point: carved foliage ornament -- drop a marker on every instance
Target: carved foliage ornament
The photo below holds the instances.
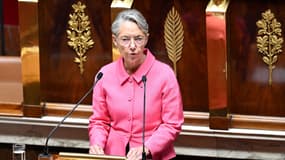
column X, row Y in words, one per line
column 79, row 34
column 173, row 36
column 269, row 40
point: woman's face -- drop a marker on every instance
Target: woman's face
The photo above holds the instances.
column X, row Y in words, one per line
column 131, row 42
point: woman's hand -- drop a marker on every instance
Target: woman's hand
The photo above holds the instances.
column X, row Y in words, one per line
column 136, row 153
column 96, row 149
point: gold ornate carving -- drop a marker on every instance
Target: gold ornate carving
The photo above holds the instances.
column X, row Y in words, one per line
column 173, row 36
column 79, row 34
column 269, row 40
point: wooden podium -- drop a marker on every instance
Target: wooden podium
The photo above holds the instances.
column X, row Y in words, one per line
column 85, row 156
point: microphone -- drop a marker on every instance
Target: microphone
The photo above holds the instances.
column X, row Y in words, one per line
column 143, row 129
column 46, row 155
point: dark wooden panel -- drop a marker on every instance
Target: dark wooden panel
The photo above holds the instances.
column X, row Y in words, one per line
column 250, row 92
column 61, row 80
column 192, row 68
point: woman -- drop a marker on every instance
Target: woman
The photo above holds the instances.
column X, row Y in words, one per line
column 117, row 121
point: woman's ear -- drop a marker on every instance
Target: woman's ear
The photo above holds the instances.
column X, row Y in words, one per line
column 147, row 35
column 114, row 40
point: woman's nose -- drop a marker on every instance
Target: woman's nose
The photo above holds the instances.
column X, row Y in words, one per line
column 132, row 44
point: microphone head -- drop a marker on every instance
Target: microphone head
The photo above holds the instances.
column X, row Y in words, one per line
column 144, row 78
column 99, row 76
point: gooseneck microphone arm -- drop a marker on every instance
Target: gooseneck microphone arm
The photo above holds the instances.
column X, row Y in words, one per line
column 144, row 108
column 46, row 150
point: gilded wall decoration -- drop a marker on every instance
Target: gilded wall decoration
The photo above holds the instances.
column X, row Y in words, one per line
column 79, row 34
column 269, row 40
column 173, row 37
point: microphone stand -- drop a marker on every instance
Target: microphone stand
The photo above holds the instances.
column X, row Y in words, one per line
column 46, row 155
column 143, row 129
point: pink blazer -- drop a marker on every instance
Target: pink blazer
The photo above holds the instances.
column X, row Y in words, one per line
column 118, row 109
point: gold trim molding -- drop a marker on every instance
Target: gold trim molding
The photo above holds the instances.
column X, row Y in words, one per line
column 173, row 37
column 32, row 1
column 269, row 40
column 122, row 3
column 217, row 6
column 79, row 34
